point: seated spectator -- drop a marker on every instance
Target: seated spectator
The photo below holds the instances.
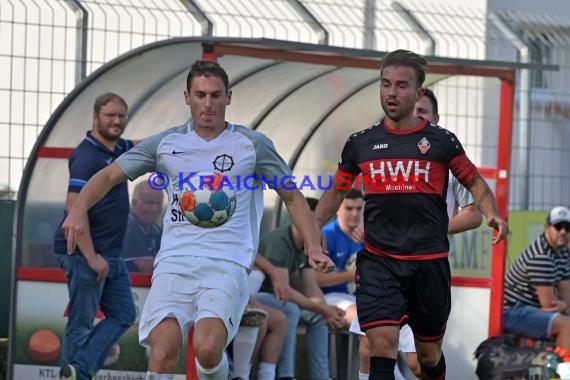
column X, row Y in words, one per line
column 283, row 247
column 142, row 239
column 537, row 286
column 338, row 234
column 261, row 333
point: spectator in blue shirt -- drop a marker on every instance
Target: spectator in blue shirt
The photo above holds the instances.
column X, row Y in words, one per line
column 142, row 239
column 339, row 234
column 97, row 278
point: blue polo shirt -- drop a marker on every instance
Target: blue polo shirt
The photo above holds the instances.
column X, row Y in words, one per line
column 341, row 247
column 108, row 217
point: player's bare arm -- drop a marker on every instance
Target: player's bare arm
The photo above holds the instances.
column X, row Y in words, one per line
column 486, row 200
column 95, row 261
column 96, row 188
column 279, row 277
column 332, row 198
column 468, row 218
column 302, row 217
column 335, row 278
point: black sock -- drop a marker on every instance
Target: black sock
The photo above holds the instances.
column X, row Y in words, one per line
column 434, row 373
column 382, row 368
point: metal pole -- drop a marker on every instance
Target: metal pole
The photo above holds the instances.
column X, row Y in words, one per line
column 416, row 25
column 524, row 112
column 370, row 25
column 81, row 51
column 309, row 18
column 200, row 15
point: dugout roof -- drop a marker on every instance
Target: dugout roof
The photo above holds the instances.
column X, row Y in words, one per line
column 307, row 98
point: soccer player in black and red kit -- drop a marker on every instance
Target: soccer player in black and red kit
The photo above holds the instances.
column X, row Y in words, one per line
column 403, row 273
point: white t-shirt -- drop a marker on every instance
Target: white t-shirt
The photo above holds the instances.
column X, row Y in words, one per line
column 457, row 196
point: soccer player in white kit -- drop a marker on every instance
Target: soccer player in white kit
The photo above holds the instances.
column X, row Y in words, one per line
column 200, row 274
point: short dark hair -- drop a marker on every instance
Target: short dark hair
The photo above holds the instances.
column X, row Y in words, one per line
column 206, row 69
column 312, row 203
column 106, row 98
column 431, row 96
column 407, row 58
column 353, row 194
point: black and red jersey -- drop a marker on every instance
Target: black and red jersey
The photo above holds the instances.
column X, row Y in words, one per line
column 404, row 175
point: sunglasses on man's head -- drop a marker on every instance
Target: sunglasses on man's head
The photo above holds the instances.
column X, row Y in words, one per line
column 561, row 225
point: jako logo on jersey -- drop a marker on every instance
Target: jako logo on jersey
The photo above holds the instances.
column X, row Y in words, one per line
column 424, row 145
column 399, row 171
column 380, row 146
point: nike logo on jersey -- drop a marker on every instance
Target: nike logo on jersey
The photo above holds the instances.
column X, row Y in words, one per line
column 180, row 151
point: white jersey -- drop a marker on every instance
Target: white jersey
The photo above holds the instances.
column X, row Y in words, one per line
column 457, row 196
column 241, row 155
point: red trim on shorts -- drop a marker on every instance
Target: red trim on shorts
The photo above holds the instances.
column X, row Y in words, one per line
column 383, row 322
column 429, row 338
column 424, row 256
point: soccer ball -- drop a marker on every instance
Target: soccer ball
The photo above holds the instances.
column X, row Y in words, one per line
column 209, row 202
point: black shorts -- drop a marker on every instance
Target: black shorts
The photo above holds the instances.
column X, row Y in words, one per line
column 392, row 292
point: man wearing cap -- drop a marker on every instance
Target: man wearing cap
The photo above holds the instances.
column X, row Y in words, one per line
column 537, row 286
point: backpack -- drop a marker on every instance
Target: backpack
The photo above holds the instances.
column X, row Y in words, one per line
column 498, row 358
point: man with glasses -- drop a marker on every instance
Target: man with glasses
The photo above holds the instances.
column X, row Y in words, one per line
column 97, row 277
column 537, row 286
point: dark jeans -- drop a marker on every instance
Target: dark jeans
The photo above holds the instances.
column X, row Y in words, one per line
column 85, row 345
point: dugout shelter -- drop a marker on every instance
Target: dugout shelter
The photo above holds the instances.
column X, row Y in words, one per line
column 307, row 98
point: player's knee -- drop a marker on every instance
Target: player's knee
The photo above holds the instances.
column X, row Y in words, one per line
column 429, row 358
column 208, row 355
column 163, row 357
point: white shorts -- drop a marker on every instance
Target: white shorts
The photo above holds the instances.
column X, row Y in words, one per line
column 191, row 288
column 405, row 343
column 341, row 300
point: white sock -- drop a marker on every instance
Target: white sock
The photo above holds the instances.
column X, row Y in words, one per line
column 244, row 344
column 159, row 376
column 219, row 372
column 266, row 371
column 362, row 376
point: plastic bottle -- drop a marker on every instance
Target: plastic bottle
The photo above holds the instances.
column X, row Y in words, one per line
column 552, row 361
